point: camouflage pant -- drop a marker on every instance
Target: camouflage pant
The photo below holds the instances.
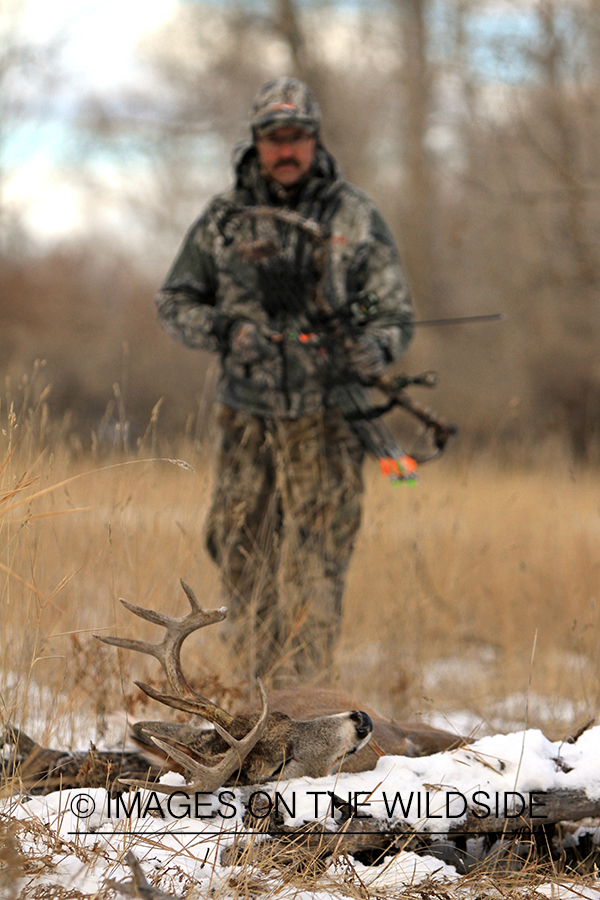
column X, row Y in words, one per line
column 284, row 517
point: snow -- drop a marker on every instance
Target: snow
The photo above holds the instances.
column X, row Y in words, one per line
column 181, row 838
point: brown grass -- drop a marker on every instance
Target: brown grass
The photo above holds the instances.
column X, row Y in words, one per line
column 477, row 584
column 473, row 572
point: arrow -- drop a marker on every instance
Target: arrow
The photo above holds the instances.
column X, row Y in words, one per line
column 462, row 320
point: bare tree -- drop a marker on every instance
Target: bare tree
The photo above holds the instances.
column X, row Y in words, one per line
column 418, row 199
column 487, row 171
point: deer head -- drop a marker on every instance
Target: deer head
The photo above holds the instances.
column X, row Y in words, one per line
column 247, row 748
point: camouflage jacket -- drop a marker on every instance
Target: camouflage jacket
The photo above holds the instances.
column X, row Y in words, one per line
column 248, row 259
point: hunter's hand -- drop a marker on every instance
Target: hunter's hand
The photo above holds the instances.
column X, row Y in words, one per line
column 249, row 344
column 366, row 356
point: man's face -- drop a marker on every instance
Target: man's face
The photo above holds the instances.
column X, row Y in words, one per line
column 286, row 154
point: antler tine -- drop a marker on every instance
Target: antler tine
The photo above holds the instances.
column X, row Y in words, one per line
column 207, row 779
column 167, row 651
column 197, row 706
column 191, row 595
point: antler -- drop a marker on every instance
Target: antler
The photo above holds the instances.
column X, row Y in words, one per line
column 167, row 652
column 207, row 779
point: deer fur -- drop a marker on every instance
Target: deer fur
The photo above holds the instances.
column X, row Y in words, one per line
column 388, row 738
column 289, row 747
column 307, row 731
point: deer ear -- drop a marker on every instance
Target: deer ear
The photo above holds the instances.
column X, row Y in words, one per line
column 288, row 757
column 268, row 765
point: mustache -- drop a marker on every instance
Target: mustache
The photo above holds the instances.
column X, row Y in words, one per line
column 287, row 162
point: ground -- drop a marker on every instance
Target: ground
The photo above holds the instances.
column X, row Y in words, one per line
column 471, row 604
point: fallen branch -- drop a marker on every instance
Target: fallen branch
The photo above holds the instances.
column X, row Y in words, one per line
column 356, row 835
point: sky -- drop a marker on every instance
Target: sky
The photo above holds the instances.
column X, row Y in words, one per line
column 98, row 43
column 100, row 37
column 99, row 54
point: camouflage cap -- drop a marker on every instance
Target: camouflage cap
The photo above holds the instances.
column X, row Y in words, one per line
column 285, row 101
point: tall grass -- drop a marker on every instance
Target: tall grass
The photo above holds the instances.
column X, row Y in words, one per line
column 453, row 582
column 485, row 583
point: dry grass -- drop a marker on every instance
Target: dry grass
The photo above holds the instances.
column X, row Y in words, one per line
column 476, row 585
column 456, row 582
column 479, row 583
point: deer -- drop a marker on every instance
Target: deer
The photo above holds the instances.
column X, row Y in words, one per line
column 295, row 733
column 290, row 734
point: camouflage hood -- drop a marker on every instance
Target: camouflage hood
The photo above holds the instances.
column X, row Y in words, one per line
column 245, row 260
column 285, row 101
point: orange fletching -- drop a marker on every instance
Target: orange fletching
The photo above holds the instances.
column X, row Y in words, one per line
column 402, row 469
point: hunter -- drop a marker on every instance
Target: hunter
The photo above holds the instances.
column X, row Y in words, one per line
column 293, row 278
